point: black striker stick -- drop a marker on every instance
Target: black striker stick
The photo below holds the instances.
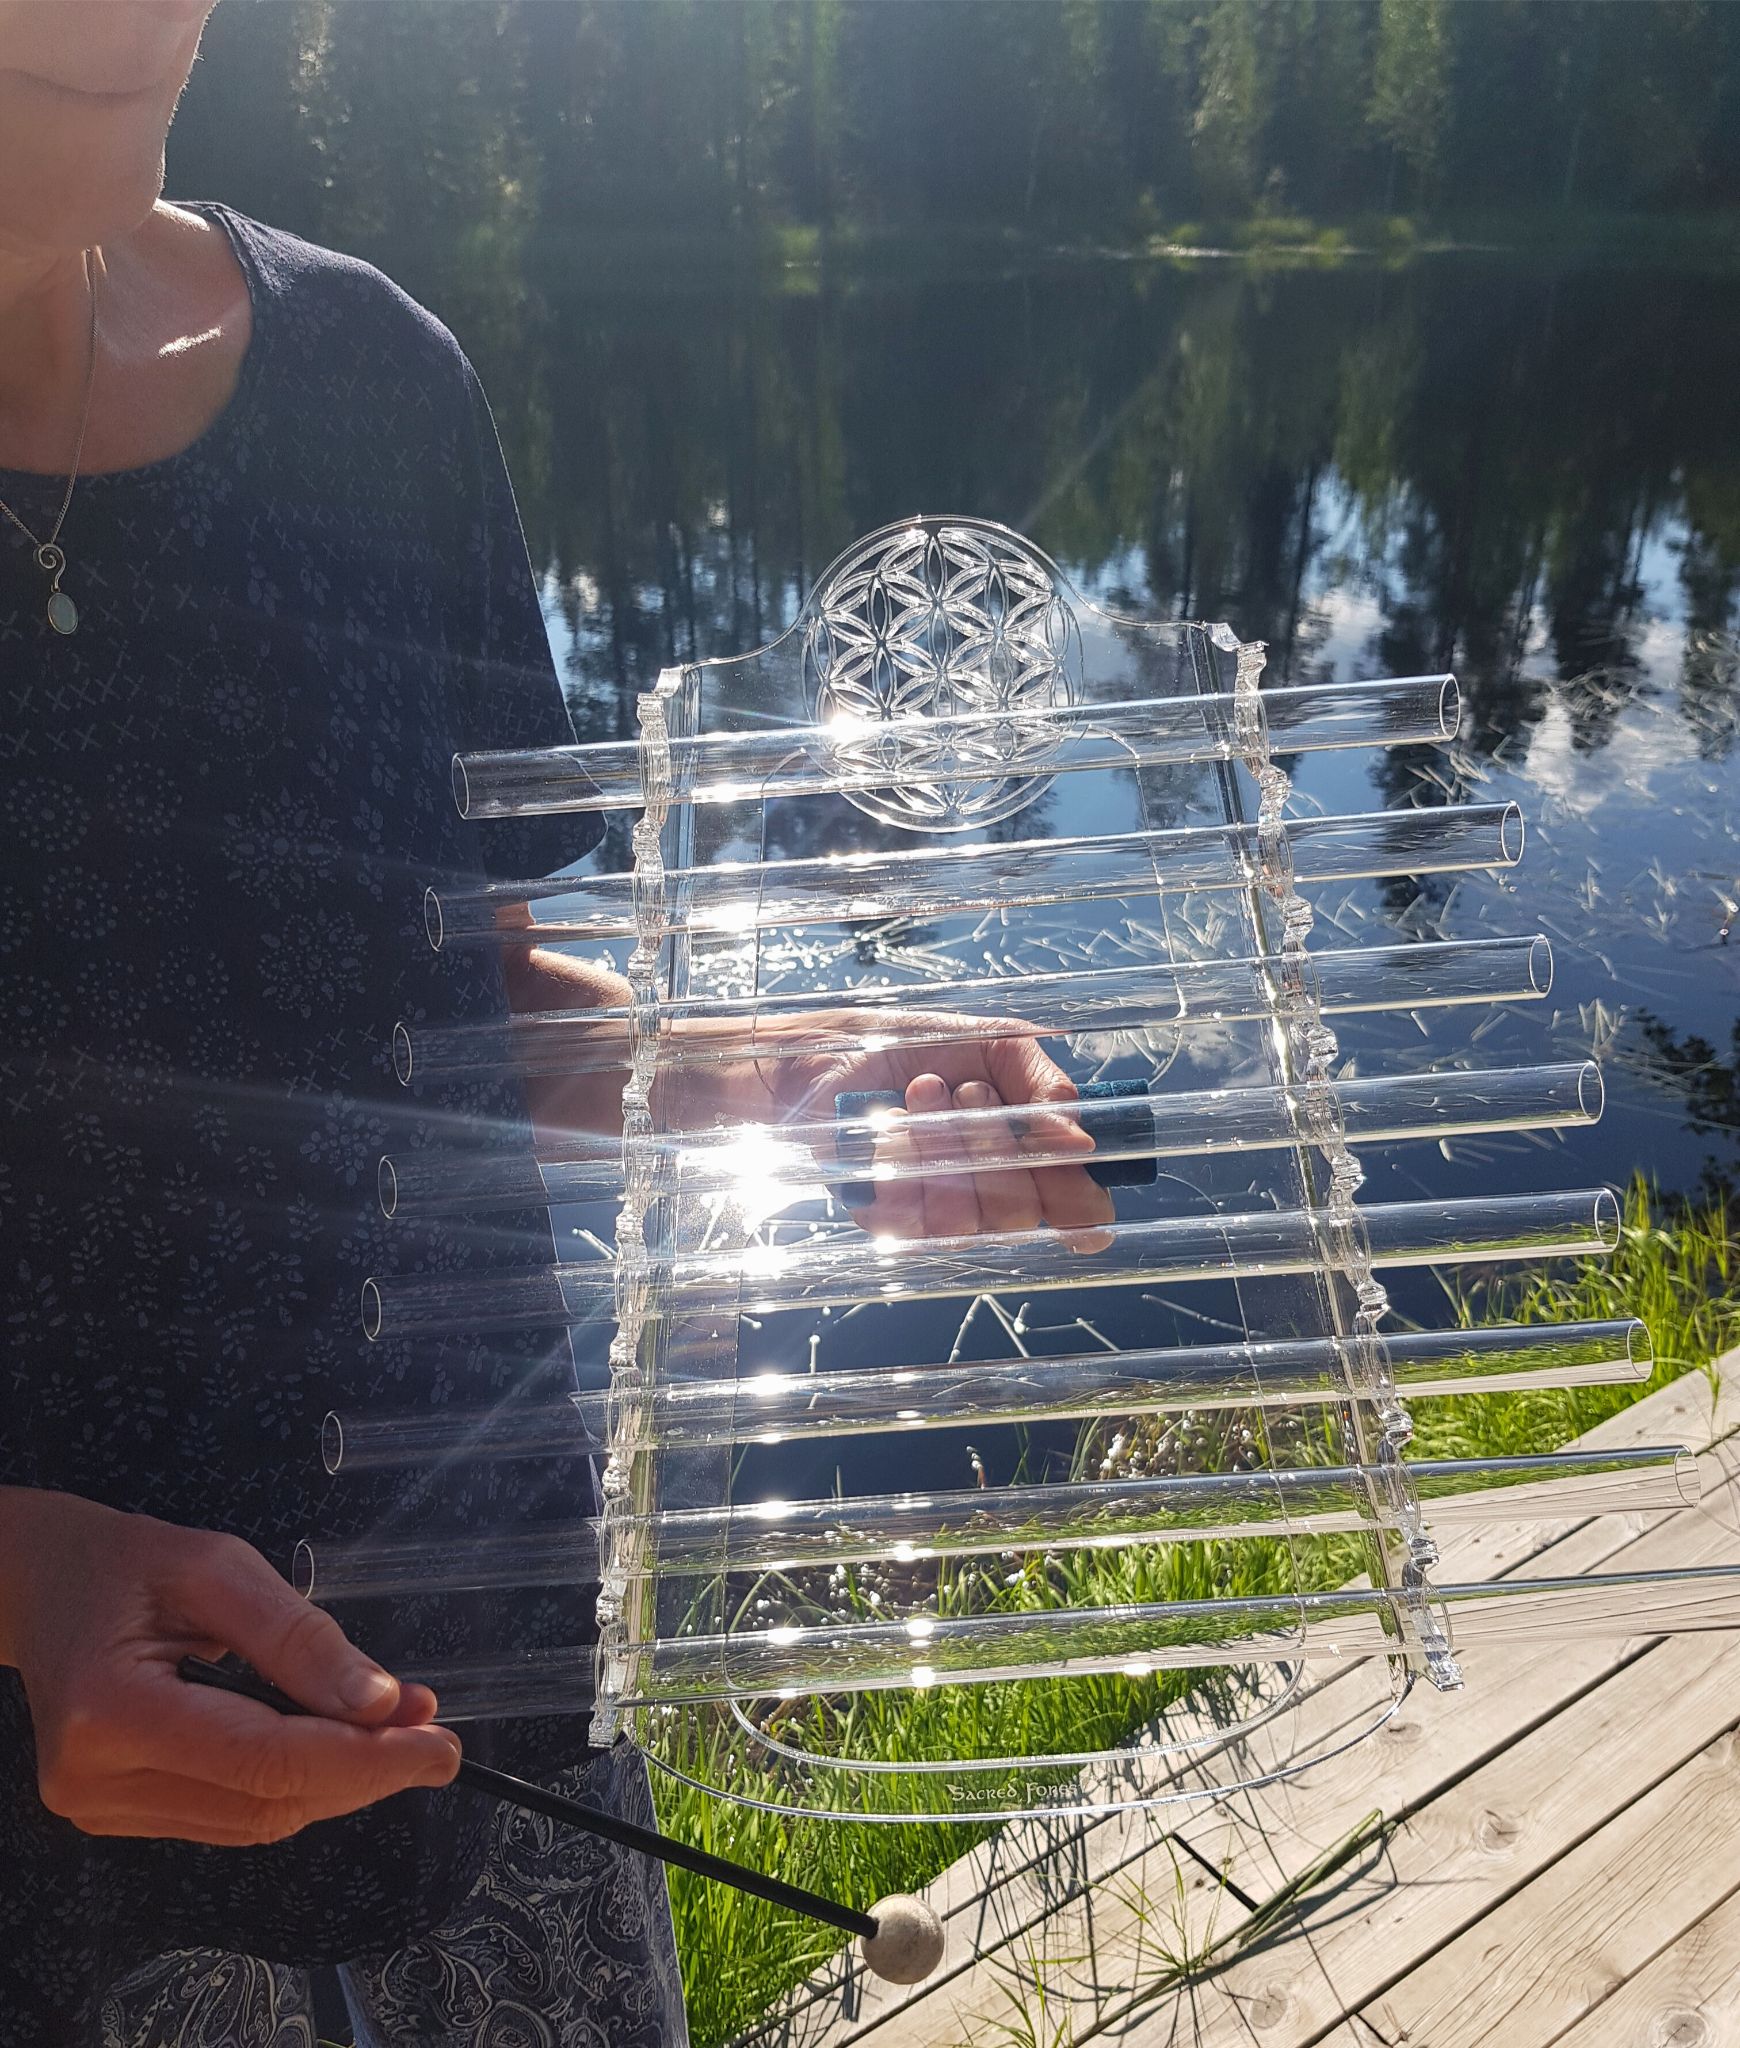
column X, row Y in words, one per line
column 517, row 1792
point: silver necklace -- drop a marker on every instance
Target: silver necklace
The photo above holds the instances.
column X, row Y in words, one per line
column 62, row 613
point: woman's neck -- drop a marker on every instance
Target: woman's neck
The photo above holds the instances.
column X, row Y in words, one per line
column 174, row 325
column 45, row 345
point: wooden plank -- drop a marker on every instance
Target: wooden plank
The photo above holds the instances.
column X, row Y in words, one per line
column 1023, row 1892
column 1081, row 1967
column 1687, row 1997
column 1292, row 1829
column 1265, row 1838
column 1460, row 1856
column 1560, row 1947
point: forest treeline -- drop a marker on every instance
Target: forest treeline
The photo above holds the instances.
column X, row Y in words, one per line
column 1114, row 118
column 1501, row 445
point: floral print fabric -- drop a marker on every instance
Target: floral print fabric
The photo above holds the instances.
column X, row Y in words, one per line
column 220, row 802
column 563, row 1944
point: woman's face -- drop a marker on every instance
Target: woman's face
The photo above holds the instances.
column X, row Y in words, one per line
column 87, row 88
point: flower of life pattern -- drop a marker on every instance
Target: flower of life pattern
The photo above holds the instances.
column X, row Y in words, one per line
column 936, row 622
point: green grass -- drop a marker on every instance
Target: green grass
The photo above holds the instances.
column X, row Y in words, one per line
column 1677, row 1268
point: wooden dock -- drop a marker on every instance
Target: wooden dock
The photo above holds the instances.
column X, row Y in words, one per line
column 1550, row 1856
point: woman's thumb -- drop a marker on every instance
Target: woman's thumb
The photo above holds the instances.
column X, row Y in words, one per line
column 295, row 1644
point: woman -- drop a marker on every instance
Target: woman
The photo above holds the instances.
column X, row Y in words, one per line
column 260, row 572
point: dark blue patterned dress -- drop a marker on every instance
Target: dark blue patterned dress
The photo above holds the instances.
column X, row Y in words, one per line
column 219, row 805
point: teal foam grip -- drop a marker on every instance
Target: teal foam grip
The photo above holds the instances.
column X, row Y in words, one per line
column 1135, row 1126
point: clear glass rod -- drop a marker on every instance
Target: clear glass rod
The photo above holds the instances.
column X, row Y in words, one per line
column 726, row 767
column 1327, row 1629
column 775, row 1407
column 902, row 1528
column 923, row 881
column 843, row 1268
column 1163, row 1635
column 713, row 1030
column 877, row 1147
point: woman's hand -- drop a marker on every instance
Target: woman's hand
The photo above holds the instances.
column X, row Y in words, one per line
column 944, row 1197
column 97, row 1608
column 975, row 1072
column 975, row 1066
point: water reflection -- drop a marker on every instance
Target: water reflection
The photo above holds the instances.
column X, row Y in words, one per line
column 1463, row 463
column 1526, row 472
column 1531, row 477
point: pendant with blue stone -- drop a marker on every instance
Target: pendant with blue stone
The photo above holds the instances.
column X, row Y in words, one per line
column 63, row 614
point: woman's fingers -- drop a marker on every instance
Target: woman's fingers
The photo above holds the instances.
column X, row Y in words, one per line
column 125, row 1745
column 166, row 1804
column 951, row 1203
column 1022, row 1071
column 995, row 1064
column 1076, row 1204
column 238, row 1746
column 1007, row 1198
column 228, row 1591
column 896, row 1207
column 417, row 1707
column 1071, row 1199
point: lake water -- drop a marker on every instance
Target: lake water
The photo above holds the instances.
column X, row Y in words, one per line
column 1527, row 474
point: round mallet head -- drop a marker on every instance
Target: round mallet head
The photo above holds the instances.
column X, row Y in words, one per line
column 908, row 1942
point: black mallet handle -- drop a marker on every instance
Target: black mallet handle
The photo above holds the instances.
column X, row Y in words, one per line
column 517, row 1792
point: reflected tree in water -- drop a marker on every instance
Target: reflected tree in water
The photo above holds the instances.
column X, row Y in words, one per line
column 1709, row 1086
column 747, row 279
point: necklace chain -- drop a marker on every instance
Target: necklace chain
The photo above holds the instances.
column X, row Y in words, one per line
column 50, row 557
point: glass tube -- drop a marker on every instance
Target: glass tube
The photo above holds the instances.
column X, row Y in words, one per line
column 1331, row 1628
column 776, row 1535
column 772, row 1157
column 781, row 1536
column 438, row 1436
column 541, row 1682
column 844, row 1268
column 396, row 1567
column 711, row 1031
column 1166, row 1635
column 725, row 767
column 1686, row 1601
column 773, row 1408
column 926, row 881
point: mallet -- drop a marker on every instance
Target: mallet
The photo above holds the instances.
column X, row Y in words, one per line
column 901, row 1939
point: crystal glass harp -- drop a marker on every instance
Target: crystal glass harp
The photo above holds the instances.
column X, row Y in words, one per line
column 876, row 1477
